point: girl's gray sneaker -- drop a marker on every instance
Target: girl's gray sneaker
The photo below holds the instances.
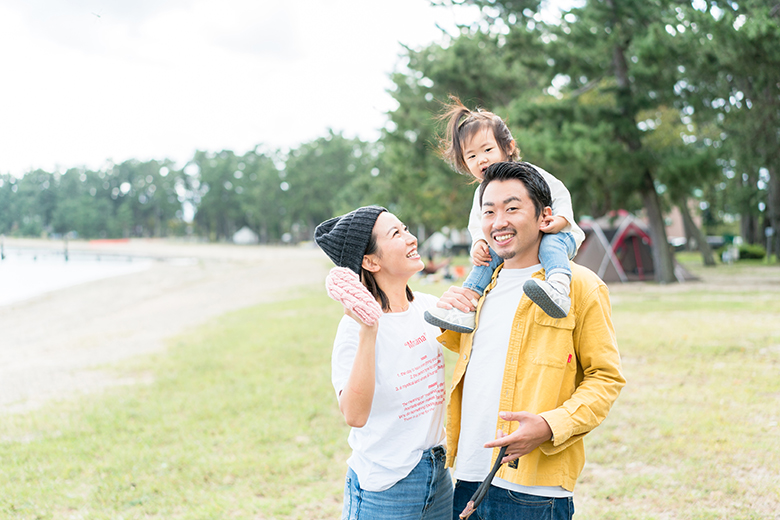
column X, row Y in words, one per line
column 547, row 296
column 452, row 319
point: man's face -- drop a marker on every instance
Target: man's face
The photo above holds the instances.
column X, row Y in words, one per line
column 510, row 223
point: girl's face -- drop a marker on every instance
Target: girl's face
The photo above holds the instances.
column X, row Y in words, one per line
column 396, row 247
column 481, row 150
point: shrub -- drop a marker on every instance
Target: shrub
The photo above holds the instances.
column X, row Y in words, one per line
column 746, row 251
column 755, row 251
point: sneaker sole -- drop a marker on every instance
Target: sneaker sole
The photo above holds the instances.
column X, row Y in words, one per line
column 433, row 320
column 542, row 299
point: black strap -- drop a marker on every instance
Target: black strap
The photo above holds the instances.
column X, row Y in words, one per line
column 482, row 490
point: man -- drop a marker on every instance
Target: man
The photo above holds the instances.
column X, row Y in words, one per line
column 524, row 380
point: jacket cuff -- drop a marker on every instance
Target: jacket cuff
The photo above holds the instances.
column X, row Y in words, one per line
column 559, row 421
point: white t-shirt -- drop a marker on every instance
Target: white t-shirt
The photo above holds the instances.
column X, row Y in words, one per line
column 482, row 383
column 407, row 413
column 561, row 205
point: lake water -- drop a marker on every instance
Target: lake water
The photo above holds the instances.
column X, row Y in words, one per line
column 27, row 273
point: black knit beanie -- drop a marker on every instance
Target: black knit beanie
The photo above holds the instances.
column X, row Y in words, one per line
column 344, row 239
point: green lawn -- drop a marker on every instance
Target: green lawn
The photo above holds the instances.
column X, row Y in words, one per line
column 240, row 420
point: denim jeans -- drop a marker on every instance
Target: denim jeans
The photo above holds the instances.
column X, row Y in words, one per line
column 501, row 504
column 424, row 494
column 480, row 275
column 555, row 251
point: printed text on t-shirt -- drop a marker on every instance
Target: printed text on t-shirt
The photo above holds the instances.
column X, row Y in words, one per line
column 420, row 372
column 414, row 342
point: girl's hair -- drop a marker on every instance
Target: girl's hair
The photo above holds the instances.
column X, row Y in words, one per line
column 367, row 277
column 462, row 124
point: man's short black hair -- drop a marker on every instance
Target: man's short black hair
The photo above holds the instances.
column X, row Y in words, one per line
column 537, row 187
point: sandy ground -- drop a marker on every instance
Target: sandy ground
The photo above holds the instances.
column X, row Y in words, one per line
column 54, row 345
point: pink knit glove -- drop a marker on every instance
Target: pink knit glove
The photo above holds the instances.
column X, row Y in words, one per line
column 343, row 285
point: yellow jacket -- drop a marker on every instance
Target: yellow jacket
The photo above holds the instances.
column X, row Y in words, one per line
column 567, row 371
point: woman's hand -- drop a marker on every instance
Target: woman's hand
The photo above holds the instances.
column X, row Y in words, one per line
column 363, row 325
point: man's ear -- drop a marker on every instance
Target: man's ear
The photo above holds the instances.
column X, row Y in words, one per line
column 546, row 214
column 370, row 264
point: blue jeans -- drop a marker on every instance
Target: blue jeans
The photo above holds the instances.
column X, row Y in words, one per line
column 424, row 494
column 501, row 504
column 555, row 251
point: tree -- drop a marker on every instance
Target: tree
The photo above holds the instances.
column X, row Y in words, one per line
column 416, row 183
column 320, row 178
column 217, row 189
column 149, row 191
column 261, row 198
column 733, row 80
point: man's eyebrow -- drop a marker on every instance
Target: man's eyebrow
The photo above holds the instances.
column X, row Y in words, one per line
column 506, row 201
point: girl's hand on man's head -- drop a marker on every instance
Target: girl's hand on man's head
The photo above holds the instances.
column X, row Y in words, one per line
column 553, row 224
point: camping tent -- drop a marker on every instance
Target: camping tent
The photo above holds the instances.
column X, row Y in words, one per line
column 245, row 236
column 617, row 247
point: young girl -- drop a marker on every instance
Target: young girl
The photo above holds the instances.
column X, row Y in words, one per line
column 388, row 376
column 475, row 140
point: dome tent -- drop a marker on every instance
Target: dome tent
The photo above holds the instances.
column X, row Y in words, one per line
column 618, row 247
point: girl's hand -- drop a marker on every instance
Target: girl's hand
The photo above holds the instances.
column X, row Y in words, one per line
column 553, row 224
column 480, row 253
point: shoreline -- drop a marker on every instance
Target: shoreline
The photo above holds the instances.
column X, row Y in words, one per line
column 53, row 344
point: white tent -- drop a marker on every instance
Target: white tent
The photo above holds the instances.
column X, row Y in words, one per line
column 245, row 236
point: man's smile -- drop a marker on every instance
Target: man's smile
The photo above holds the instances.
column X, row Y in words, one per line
column 503, row 236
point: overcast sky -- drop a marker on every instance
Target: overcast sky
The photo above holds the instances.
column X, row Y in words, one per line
column 84, row 81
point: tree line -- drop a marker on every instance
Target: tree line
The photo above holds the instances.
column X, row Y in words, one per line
column 638, row 104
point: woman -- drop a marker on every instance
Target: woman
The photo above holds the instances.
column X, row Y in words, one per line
column 389, row 376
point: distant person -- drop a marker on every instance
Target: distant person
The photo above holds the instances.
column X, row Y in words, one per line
column 433, row 267
column 389, row 376
column 475, row 140
column 525, row 380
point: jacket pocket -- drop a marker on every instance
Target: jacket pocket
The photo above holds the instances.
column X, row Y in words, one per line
column 552, row 344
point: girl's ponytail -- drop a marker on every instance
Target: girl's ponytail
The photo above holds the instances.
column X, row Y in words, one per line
column 461, row 124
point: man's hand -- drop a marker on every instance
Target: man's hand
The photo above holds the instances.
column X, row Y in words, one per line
column 480, row 253
column 553, row 224
column 532, row 432
column 461, row 298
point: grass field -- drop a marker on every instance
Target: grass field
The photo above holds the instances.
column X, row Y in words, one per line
column 238, row 418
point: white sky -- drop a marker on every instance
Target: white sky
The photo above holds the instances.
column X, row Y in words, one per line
column 83, row 81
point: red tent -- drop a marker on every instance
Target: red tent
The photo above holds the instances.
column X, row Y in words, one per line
column 617, row 247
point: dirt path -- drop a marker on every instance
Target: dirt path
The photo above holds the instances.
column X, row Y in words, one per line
column 50, row 345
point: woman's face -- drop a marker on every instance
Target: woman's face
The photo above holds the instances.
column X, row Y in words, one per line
column 396, row 247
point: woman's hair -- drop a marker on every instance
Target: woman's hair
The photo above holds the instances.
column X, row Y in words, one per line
column 367, row 277
column 462, row 124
